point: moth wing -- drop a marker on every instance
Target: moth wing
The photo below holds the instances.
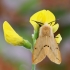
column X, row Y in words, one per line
column 52, row 50
column 38, row 52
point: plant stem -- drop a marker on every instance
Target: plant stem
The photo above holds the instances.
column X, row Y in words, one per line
column 33, row 67
column 34, row 37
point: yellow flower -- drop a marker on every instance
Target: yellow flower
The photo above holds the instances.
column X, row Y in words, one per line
column 13, row 38
column 45, row 17
column 10, row 35
column 58, row 38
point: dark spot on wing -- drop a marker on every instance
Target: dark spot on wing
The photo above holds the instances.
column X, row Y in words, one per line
column 57, row 48
column 50, row 48
column 57, row 58
column 35, row 48
column 39, row 53
column 46, row 45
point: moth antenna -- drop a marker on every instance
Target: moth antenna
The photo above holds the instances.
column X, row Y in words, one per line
column 53, row 21
column 39, row 23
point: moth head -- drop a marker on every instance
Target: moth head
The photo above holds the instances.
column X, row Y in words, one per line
column 45, row 30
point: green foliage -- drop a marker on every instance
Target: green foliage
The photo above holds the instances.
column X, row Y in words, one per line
column 65, row 32
column 35, row 36
column 25, row 8
column 27, row 44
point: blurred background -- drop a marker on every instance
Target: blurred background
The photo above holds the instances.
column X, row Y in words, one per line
column 18, row 13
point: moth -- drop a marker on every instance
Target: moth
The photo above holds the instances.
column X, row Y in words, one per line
column 46, row 46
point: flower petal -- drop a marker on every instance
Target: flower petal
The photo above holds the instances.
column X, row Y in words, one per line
column 55, row 27
column 13, row 38
column 34, row 24
column 49, row 16
column 10, row 35
column 43, row 16
column 58, row 38
column 39, row 16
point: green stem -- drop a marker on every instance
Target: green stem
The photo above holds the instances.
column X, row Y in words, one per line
column 33, row 67
column 34, row 37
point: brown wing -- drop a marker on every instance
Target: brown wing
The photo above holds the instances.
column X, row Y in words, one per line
column 38, row 52
column 52, row 50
